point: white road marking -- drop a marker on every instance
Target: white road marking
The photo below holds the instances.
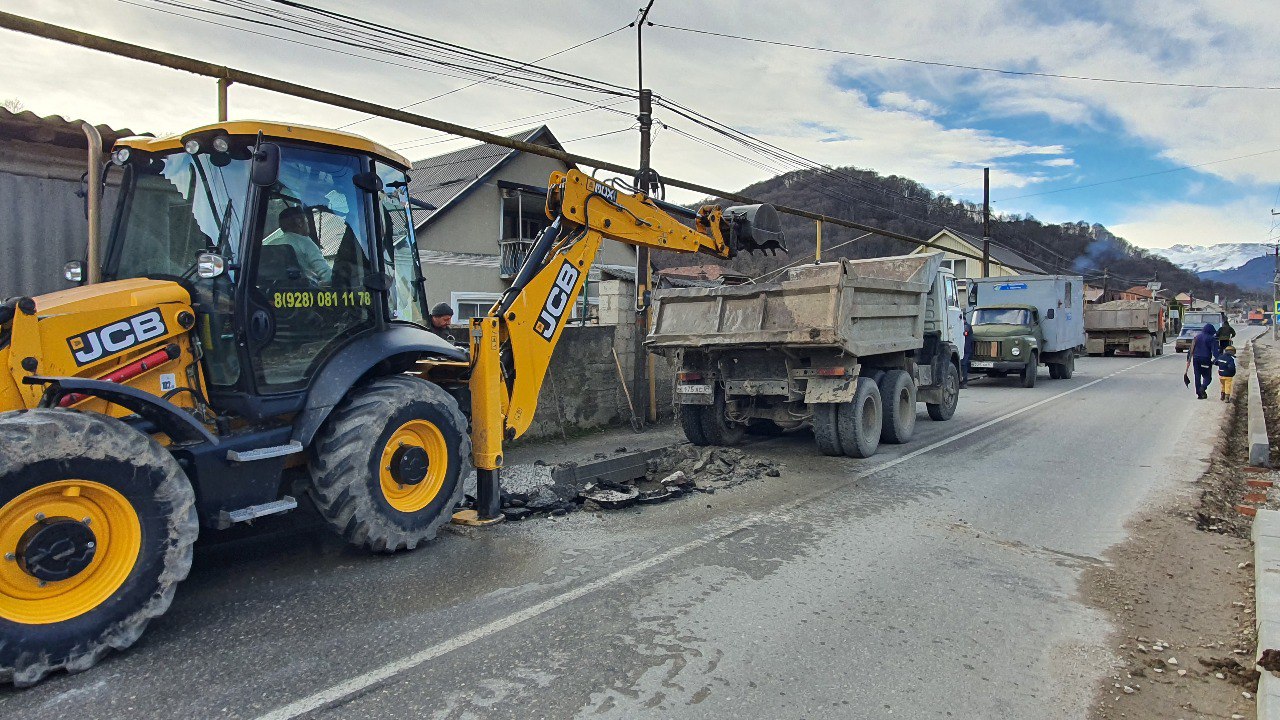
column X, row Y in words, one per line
column 359, row 683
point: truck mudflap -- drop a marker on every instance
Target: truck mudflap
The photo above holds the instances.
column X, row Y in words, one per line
column 830, row 390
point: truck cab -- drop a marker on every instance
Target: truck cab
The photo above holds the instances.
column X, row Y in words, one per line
column 1006, row 339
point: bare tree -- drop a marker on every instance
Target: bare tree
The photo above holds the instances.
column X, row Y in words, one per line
column 13, row 105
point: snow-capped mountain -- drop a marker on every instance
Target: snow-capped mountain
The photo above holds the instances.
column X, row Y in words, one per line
column 1204, row 258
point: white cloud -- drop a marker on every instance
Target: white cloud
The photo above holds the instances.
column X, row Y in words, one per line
column 903, row 101
column 1058, row 162
column 1179, row 223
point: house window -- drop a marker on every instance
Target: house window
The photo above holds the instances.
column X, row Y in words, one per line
column 467, row 305
column 957, row 267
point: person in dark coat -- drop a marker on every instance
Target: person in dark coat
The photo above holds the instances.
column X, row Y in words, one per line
column 1227, row 372
column 1202, row 356
column 441, row 319
column 1225, row 334
column 968, row 351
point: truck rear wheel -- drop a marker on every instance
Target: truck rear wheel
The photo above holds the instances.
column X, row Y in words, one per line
column 826, row 429
column 950, row 394
column 1055, row 371
column 898, row 398
column 1067, row 368
column 388, row 465
column 861, row 420
column 1030, row 371
column 97, row 521
column 691, row 423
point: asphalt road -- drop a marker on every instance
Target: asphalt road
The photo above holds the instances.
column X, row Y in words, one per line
column 937, row 579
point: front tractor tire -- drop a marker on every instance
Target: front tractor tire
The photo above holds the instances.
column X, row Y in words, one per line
column 388, row 465
column 97, row 521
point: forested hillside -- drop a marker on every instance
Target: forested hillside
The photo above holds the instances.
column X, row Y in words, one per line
column 904, row 206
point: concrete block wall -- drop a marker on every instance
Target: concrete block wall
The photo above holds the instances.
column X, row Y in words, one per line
column 582, row 390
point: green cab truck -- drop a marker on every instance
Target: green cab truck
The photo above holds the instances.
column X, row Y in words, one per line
column 1025, row 321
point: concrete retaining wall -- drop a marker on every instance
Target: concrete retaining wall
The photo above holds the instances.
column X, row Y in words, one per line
column 582, row 390
column 1266, row 573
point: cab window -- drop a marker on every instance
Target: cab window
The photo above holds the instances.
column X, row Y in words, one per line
column 313, row 261
column 399, row 249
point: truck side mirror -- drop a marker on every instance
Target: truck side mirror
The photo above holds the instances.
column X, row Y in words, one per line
column 265, row 170
column 1048, row 314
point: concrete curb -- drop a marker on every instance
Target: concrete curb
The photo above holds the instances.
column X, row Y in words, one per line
column 1266, row 574
column 1259, row 442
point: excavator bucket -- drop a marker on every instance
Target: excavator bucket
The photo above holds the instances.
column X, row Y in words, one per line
column 752, row 228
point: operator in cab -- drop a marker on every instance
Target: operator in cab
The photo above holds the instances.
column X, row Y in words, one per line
column 441, row 319
column 295, row 233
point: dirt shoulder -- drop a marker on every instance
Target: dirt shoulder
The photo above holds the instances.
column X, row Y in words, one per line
column 1180, row 594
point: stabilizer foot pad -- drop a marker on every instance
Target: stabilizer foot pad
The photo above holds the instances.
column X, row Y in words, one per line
column 471, row 518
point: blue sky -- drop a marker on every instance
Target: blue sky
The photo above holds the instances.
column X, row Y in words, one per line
column 936, row 125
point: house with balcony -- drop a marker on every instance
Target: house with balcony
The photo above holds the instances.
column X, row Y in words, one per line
column 478, row 212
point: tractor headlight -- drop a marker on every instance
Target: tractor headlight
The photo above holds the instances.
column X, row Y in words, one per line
column 1015, row 351
column 121, row 155
column 221, row 144
column 192, row 146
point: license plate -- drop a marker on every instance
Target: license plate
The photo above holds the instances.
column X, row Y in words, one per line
column 694, row 389
column 982, row 364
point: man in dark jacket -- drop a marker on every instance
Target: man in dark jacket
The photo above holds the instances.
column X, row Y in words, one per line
column 1201, row 356
column 441, row 319
column 1225, row 334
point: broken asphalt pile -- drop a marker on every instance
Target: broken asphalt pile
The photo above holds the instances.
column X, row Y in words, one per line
column 664, row 475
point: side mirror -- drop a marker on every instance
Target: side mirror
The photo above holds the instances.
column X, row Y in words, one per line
column 367, row 181
column 74, row 271
column 265, row 170
column 1048, row 314
column 210, row 265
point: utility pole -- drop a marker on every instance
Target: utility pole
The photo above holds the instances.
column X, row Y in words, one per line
column 986, row 222
column 646, row 181
column 223, row 84
column 1275, row 282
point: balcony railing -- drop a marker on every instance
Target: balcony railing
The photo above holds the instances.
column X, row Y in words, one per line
column 514, row 252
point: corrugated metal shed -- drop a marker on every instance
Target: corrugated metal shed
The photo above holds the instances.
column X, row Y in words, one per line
column 41, row 161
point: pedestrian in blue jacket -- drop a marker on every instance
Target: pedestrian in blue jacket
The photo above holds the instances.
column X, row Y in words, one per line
column 1227, row 372
column 1202, row 356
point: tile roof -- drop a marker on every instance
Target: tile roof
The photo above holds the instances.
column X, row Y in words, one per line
column 442, row 180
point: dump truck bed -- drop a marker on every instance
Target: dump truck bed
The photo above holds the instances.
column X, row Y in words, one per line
column 864, row 307
column 1119, row 315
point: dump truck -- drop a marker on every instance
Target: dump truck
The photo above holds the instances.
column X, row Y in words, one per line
column 1024, row 321
column 1136, row 326
column 848, row 347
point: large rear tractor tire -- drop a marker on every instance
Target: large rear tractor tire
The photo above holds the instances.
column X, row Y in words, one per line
column 388, row 464
column 691, row 423
column 950, row 395
column 898, row 398
column 826, row 429
column 97, row 521
column 860, row 421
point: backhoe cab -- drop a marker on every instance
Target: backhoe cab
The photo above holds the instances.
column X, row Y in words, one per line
column 259, row 335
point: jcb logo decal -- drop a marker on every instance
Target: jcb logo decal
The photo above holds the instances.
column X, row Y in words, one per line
column 116, row 337
column 557, row 301
column 608, row 192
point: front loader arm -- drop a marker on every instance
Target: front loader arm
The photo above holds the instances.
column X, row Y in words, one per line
column 511, row 347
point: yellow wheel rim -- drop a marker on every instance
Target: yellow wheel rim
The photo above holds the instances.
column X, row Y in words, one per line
column 410, row 498
column 117, row 538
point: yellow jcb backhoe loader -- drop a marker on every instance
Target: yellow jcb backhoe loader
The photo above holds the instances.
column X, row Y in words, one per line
column 259, row 335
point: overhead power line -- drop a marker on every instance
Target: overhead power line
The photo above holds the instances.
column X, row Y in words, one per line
column 977, row 68
column 178, row 62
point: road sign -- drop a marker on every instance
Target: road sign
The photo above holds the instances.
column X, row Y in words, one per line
column 1153, row 286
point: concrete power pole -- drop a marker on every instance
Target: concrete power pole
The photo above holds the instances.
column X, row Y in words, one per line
column 646, row 182
column 1275, row 284
column 986, row 222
